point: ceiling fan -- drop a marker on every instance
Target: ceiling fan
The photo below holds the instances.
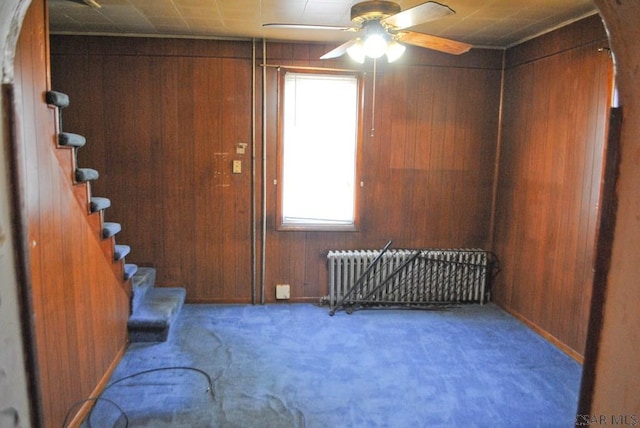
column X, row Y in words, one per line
column 384, row 27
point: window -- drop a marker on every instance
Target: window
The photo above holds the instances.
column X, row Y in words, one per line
column 319, row 132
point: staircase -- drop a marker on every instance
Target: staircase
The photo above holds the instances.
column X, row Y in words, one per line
column 153, row 310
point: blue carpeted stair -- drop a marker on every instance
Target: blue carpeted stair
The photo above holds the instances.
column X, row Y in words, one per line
column 129, row 270
column 110, row 229
column 86, row 174
column 99, row 204
column 71, row 140
column 120, row 252
column 153, row 310
column 57, row 99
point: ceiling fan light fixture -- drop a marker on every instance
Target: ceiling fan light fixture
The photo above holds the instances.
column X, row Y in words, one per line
column 394, row 50
column 360, row 50
column 375, row 41
column 356, row 52
column 375, row 45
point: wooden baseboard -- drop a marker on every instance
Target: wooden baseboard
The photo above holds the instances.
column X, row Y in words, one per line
column 311, row 300
column 546, row 335
column 88, row 405
column 217, row 301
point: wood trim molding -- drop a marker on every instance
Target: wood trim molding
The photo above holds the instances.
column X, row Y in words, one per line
column 88, row 404
column 546, row 335
column 21, row 250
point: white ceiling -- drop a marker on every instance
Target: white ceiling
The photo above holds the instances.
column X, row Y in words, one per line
column 482, row 23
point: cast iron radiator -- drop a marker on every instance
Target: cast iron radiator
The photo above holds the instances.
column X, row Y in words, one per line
column 416, row 277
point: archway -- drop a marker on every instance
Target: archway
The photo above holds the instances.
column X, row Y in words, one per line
column 611, row 387
column 611, row 384
column 17, row 379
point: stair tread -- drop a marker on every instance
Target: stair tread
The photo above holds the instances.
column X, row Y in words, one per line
column 71, row 140
column 143, row 281
column 152, row 320
column 86, row 174
column 57, row 99
column 121, row 251
column 158, row 307
column 99, row 204
column 145, row 277
column 110, row 229
column 129, row 270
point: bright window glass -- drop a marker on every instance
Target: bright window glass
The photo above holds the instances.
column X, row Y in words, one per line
column 319, row 143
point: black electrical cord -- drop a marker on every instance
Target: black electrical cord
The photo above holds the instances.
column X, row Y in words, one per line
column 78, row 403
column 209, row 390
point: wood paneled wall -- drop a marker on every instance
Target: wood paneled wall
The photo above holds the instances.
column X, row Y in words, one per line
column 557, row 92
column 427, row 169
column 80, row 307
column 164, row 118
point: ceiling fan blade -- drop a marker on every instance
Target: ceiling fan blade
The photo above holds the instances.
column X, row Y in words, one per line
column 425, row 12
column 308, row 27
column 433, row 42
column 93, row 3
column 340, row 50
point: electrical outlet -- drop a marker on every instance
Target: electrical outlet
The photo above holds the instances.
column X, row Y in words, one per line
column 283, row 291
column 237, row 167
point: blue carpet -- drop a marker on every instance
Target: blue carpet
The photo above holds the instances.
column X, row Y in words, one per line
column 295, row 366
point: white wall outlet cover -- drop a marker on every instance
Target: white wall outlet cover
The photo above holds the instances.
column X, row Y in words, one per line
column 283, row 291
